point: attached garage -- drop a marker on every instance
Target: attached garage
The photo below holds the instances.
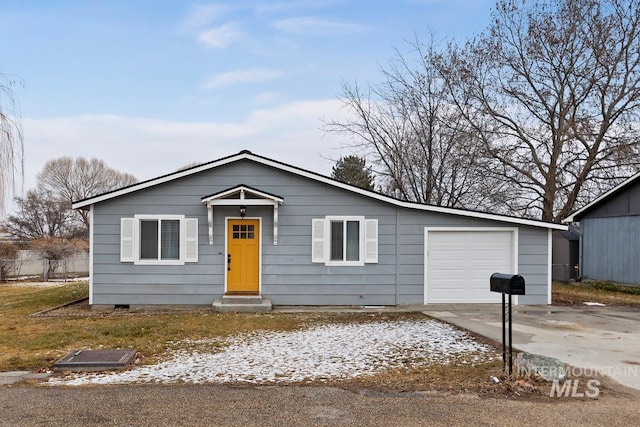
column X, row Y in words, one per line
column 459, row 261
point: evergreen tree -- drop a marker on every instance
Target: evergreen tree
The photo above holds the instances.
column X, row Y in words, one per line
column 353, row 170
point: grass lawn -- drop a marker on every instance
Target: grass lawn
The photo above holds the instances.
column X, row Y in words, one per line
column 35, row 342
column 603, row 292
column 30, row 343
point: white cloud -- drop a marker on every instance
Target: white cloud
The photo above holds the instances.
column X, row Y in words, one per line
column 242, row 76
column 307, row 25
column 265, row 98
column 147, row 147
column 466, row 2
column 285, row 6
column 203, row 14
column 221, row 36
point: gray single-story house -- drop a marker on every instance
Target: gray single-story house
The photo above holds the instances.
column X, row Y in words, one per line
column 610, row 234
column 250, row 225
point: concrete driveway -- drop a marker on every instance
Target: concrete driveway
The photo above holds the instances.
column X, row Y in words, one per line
column 604, row 339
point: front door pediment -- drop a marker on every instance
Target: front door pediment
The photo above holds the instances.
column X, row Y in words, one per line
column 242, row 195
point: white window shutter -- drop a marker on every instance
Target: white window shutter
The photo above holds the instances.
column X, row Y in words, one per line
column 191, row 240
column 127, row 239
column 317, row 240
column 371, row 241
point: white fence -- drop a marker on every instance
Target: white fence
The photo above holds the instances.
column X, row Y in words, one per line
column 29, row 264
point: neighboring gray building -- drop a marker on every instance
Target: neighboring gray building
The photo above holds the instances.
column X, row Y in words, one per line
column 565, row 255
column 610, row 234
column 249, row 225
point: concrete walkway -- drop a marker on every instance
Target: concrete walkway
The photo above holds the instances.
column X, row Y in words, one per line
column 601, row 339
column 12, row 377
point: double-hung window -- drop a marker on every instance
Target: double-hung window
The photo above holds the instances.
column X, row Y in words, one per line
column 344, row 240
column 159, row 239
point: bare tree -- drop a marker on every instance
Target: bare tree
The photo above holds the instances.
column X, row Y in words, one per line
column 423, row 149
column 73, row 180
column 40, row 215
column 55, row 249
column 552, row 91
column 8, row 254
column 48, row 226
column 11, row 140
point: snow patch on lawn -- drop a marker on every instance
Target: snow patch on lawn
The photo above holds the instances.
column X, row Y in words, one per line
column 20, row 283
column 334, row 351
column 595, row 304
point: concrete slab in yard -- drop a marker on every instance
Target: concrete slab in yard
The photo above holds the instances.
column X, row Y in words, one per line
column 95, row 360
column 12, row 377
column 7, row 378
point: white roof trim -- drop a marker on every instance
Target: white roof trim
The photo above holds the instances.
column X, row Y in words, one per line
column 156, row 181
column 242, row 189
column 601, row 198
column 316, row 177
column 219, row 199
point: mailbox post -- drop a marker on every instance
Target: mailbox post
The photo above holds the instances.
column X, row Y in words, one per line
column 507, row 284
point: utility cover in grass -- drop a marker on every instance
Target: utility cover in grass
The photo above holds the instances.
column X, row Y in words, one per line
column 95, row 360
column 326, row 352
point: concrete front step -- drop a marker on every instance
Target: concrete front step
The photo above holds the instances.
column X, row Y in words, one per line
column 242, row 303
column 241, row 299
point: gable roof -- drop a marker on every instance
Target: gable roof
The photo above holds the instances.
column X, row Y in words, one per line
column 248, row 155
column 241, row 189
column 577, row 215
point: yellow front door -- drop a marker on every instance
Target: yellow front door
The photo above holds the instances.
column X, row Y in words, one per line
column 243, row 256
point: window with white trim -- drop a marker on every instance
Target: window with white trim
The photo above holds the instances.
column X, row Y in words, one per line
column 344, row 240
column 159, row 239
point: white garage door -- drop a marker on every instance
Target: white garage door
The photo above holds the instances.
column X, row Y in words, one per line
column 460, row 263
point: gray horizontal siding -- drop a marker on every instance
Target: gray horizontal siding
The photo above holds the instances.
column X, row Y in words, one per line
column 365, row 289
column 532, row 254
column 149, row 299
column 533, row 261
column 165, row 289
column 343, row 279
column 288, row 276
column 325, row 299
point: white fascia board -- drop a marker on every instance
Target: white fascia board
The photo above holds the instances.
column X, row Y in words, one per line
column 236, row 202
column 241, row 188
column 317, row 177
column 159, row 180
column 487, row 216
column 410, row 205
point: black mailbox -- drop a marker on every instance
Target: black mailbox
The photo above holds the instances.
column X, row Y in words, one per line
column 510, row 284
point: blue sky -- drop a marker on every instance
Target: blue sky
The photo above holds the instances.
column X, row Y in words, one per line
column 151, row 86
